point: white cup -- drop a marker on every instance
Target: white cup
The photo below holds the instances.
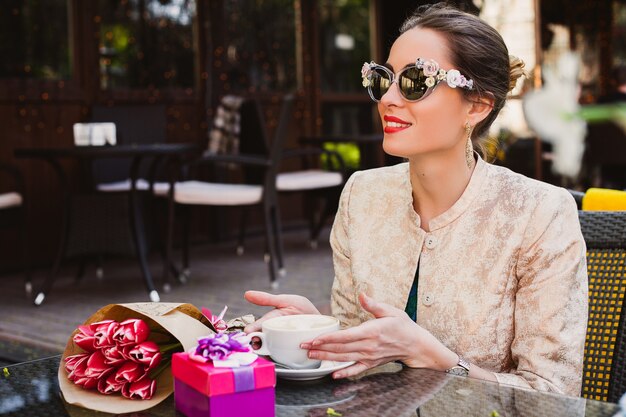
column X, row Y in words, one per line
column 281, row 338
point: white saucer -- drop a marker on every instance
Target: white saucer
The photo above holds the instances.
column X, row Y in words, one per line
column 327, row 367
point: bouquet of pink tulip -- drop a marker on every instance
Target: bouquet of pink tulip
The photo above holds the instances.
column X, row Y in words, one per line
column 125, row 350
column 118, row 358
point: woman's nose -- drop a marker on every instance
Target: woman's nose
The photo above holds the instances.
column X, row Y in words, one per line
column 392, row 96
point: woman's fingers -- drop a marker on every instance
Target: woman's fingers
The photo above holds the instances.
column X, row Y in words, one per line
column 337, row 347
column 352, row 370
column 296, row 304
column 353, row 334
column 378, row 309
column 284, row 304
column 358, row 355
column 334, row 356
column 256, row 326
column 262, row 298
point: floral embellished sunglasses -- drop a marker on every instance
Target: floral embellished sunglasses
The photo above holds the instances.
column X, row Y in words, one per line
column 415, row 82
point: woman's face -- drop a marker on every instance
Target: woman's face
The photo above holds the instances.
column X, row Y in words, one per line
column 434, row 124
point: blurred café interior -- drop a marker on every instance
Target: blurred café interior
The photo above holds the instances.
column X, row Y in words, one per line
column 161, row 71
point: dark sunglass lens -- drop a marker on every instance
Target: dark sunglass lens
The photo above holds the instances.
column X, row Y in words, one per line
column 380, row 83
column 412, row 84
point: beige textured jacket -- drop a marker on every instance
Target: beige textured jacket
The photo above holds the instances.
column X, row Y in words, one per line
column 502, row 273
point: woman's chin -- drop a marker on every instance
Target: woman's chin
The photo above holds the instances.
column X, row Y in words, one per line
column 394, row 150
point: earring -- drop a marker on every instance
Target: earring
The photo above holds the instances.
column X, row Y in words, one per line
column 469, row 149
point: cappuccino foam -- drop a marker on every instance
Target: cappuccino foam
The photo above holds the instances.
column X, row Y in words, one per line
column 301, row 323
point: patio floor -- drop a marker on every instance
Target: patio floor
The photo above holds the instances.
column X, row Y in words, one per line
column 219, row 277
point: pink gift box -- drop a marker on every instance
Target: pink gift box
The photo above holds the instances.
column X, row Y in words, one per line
column 202, row 390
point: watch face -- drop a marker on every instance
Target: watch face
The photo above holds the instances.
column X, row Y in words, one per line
column 458, row 370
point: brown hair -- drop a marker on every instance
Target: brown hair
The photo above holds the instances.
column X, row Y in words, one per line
column 477, row 51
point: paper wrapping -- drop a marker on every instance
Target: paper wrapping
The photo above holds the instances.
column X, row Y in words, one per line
column 183, row 321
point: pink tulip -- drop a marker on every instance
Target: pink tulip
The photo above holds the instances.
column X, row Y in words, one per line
column 78, row 375
column 114, row 355
column 146, row 353
column 78, row 368
column 72, row 361
column 130, row 372
column 131, row 332
column 97, row 366
column 87, row 383
column 104, row 332
column 140, row 390
column 109, row 385
column 85, row 338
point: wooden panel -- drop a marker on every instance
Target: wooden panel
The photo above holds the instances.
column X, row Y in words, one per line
column 36, row 124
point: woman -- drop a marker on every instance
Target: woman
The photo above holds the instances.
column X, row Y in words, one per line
column 447, row 262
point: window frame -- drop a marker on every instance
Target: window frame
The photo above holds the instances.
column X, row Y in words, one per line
column 32, row 89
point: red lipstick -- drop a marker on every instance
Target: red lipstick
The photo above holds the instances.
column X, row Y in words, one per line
column 395, row 124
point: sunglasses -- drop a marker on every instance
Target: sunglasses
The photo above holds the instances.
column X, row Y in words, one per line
column 415, row 82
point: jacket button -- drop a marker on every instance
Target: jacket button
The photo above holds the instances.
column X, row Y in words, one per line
column 428, row 299
column 430, row 242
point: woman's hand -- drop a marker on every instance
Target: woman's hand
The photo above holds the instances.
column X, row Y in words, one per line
column 391, row 336
column 284, row 305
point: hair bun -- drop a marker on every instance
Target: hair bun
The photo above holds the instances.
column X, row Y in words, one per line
column 516, row 70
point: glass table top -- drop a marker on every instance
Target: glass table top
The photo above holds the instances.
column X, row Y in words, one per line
column 31, row 389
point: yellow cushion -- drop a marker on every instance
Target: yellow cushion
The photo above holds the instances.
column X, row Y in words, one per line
column 602, row 199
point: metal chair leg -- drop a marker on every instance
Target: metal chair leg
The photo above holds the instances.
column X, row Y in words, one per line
column 183, row 275
column 186, row 226
column 28, row 285
column 49, row 281
column 65, row 221
column 325, row 213
column 80, row 273
column 136, row 220
column 271, row 246
column 169, row 237
column 278, row 240
column 243, row 220
column 99, row 267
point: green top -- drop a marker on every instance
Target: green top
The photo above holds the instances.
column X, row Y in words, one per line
column 411, row 304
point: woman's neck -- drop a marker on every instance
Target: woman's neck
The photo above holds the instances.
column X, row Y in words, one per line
column 437, row 183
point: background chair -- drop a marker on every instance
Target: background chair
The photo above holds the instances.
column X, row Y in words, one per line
column 604, row 373
column 135, row 124
column 257, row 188
column 321, row 188
column 13, row 214
column 578, row 197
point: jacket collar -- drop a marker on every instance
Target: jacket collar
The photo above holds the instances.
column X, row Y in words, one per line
column 472, row 191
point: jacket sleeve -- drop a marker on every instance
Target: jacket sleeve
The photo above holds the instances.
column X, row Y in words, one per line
column 551, row 301
column 344, row 303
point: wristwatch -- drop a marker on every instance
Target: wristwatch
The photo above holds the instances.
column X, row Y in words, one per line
column 462, row 368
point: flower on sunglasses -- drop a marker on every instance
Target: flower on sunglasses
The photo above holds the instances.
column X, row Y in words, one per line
column 430, row 82
column 454, row 78
column 441, row 75
column 366, row 73
column 430, row 68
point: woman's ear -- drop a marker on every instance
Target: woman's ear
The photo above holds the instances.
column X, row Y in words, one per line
column 480, row 107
